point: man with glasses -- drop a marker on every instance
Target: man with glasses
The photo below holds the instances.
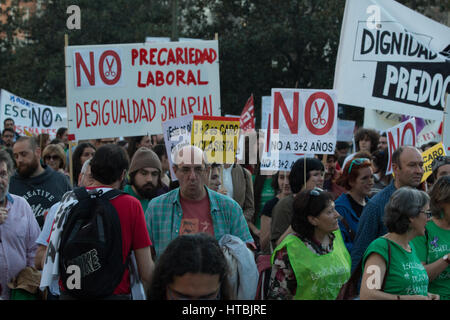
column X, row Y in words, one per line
column 407, row 165
column 9, row 123
column 145, row 177
column 18, row 230
column 193, row 208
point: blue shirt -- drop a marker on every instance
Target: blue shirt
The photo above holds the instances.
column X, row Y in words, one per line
column 371, row 224
column 164, row 214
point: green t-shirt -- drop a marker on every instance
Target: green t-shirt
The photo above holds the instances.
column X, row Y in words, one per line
column 437, row 246
column 267, row 193
column 144, row 202
column 407, row 275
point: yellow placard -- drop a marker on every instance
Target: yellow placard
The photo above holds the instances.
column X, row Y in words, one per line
column 428, row 157
column 217, row 137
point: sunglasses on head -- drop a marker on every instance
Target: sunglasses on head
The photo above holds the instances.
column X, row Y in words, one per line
column 315, row 192
column 357, row 161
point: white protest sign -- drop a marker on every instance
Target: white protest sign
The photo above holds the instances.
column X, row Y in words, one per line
column 403, row 134
column 130, row 89
column 266, row 109
column 446, row 127
column 429, row 133
column 33, row 117
column 272, row 160
column 345, row 130
column 306, row 119
column 177, row 134
column 392, row 58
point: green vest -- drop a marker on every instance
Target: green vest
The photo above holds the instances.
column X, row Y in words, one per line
column 319, row 277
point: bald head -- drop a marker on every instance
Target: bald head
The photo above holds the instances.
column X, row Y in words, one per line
column 189, row 155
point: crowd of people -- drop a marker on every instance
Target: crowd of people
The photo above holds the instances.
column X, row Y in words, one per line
column 218, row 231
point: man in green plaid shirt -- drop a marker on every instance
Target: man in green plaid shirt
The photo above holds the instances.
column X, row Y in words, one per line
column 193, row 208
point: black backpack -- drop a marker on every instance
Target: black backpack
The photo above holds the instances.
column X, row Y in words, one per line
column 92, row 240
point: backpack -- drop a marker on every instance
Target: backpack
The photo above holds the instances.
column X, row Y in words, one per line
column 91, row 239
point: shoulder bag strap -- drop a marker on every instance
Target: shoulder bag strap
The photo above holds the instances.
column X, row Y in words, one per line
column 388, row 265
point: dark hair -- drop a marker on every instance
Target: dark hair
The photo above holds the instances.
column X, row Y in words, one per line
column 372, row 134
column 194, row 253
column 8, row 119
column 405, row 203
column 297, row 175
column 439, row 194
column 342, row 145
column 345, row 178
column 56, row 141
column 437, row 163
column 108, row 163
column 60, row 132
column 274, row 184
column 160, row 151
column 132, row 145
column 8, row 129
column 6, row 158
column 380, row 158
column 76, row 159
column 307, row 204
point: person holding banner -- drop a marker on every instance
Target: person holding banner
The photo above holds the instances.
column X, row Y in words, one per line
column 407, row 165
column 357, row 178
column 311, row 263
column 433, row 249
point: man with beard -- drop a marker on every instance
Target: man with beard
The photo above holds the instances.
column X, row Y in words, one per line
column 145, row 177
column 18, row 230
column 40, row 185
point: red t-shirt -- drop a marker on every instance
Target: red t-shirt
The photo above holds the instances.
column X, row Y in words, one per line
column 134, row 232
column 196, row 216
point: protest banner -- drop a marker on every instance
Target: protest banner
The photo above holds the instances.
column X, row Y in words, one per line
column 306, row 120
column 217, row 137
column 30, row 117
column 177, row 134
column 428, row 157
column 430, row 133
column 392, row 58
column 345, row 130
column 130, row 89
column 247, row 117
column 403, row 134
column 266, row 109
column 446, row 126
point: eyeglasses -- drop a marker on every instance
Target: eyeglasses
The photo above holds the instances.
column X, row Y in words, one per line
column 4, row 174
column 197, row 170
column 54, row 158
column 315, row 192
column 428, row 213
column 357, row 161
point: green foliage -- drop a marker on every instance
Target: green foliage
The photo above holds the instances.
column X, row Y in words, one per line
column 263, row 44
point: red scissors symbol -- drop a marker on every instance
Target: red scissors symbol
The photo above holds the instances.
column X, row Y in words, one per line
column 110, row 72
column 319, row 118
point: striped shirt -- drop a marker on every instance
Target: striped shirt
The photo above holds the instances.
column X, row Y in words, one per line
column 164, row 214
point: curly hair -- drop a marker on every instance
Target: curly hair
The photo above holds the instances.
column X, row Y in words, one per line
column 307, row 204
column 372, row 134
column 194, row 253
column 405, row 203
